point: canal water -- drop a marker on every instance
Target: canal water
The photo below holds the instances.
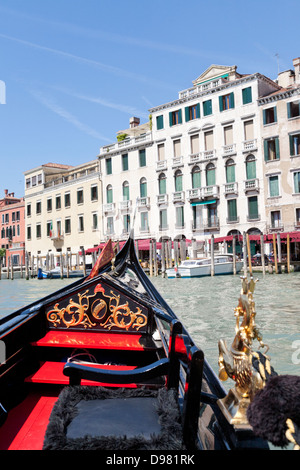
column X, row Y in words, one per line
column 206, row 308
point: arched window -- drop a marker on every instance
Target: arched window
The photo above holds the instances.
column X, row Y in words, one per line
column 196, row 177
column 143, row 187
column 230, row 171
column 178, row 180
column 125, row 188
column 109, row 194
column 250, row 167
column 162, row 184
column 210, row 175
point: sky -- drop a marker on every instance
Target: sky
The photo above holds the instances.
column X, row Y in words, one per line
column 73, row 72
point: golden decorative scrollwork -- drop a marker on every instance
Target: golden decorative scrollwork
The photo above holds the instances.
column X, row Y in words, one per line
column 77, row 313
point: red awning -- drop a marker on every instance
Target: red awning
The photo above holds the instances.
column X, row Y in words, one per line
column 143, row 245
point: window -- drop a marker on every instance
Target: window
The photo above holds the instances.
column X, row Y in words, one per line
column 80, row 196
column 273, row 186
column 231, row 210
column 207, row 108
column 142, row 157
column 18, row 216
column 294, row 144
column 161, row 152
column 67, row 200
column 110, row 225
column 144, row 222
column 80, row 223
column 49, row 229
column 159, row 122
column 40, row 178
column 163, row 220
column 38, row 207
column 210, row 175
column 18, row 230
column 67, row 226
column 253, row 208
column 192, row 112
column 209, row 140
column 95, row 221
column 275, row 219
column 228, row 135
column 28, row 182
column 177, row 148
column 108, row 165
column 195, row 144
column 293, row 109
column 109, row 194
column 178, row 180
column 162, row 184
column 29, row 232
column 247, row 95
column 125, row 162
column 143, row 187
column 248, row 130
column 94, row 193
column 196, row 177
column 270, row 115
column 230, row 171
column 126, row 222
column 28, row 210
column 297, row 217
column 38, row 231
column 179, row 217
column 175, row 117
column 33, row 181
column 297, row 182
column 125, row 189
column 212, row 218
column 250, row 167
column 271, row 149
column 49, row 205
column 58, row 202
column 226, row 102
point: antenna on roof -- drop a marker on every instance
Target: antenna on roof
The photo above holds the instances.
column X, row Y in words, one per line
column 277, row 56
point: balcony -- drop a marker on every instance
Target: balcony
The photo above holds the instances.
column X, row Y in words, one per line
column 210, row 191
column 212, row 223
column 251, row 185
column 125, row 206
column 229, row 150
column 249, row 145
column 128, row 142
column 231, row 188
column 161, row 165
column 143, row 202
column 209, row 155
column 194, row 193
column 161, row 199
column 178, row 196
column 108, row 208
column 275, row 227
column 194, row 158
column 177, row 162
column 57, row 235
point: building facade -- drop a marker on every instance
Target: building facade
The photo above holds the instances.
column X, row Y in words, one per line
column 198, row 169
column 62, row 208
column 12, row 217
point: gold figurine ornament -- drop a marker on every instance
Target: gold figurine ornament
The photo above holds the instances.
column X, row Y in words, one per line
column 248, row 368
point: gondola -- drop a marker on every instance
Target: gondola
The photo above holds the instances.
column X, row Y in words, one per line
column 105, row 364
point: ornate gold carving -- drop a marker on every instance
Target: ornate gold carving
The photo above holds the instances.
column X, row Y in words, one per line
column 237, row 362
column 76, row 313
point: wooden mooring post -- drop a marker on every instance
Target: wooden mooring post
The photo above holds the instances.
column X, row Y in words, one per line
column 212, row 255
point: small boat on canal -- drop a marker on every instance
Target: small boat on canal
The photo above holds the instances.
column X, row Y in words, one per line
column 105, row 364
column 223, row 264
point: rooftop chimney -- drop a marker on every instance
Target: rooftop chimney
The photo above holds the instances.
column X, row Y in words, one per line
column 134, row 122
column 5, row 192
column 296, row 64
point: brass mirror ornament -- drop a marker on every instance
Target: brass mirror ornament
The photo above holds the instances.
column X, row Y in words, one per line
column 248, row 368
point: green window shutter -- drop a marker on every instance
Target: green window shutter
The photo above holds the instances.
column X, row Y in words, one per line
column 292, row 148
column 178, row 183
column 275, row 114
column 231, row 100
column 196, row 179
column 230, row 174
column 108, row 166
column 142, row 157
column 159, row 122
column 125, row 193
column 163, row 218
column 179, row 216
column 253, row 207
column 273, row 185
column 251, row 170
column 207, row 108
column 277, row 148
column 266, row 150
column 179, row 116
column 198, row 110
column 143, row 189
column 289, row 110
column 109, row 195
column 210, row 177
column 232, row 209
column 187, row 113
column 221, row 103
column 247, row 95
column 162, row 184
column 171, row 119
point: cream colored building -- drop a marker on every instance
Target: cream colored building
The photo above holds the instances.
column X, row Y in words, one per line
column 196, row 169
column 62, row 208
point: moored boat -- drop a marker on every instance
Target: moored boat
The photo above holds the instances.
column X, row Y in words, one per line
column 105, row 364
column 223, row 264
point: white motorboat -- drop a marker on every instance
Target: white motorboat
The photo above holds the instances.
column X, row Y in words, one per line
column 223, row 264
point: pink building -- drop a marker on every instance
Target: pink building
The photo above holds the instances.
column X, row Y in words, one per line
column 12, row 229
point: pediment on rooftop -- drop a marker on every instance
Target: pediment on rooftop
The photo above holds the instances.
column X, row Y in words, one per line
column 215, row 71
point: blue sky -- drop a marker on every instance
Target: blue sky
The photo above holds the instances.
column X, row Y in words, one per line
column 75, row 71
